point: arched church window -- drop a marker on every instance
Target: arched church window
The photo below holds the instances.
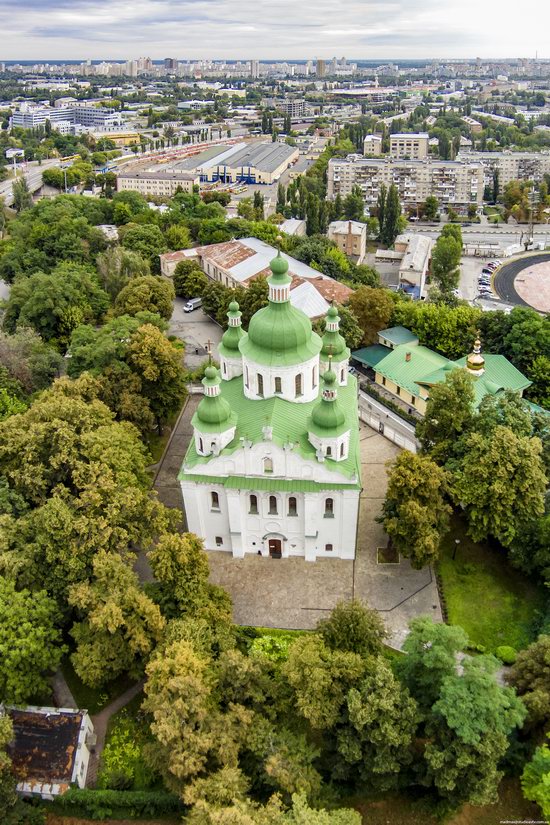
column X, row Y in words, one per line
column 260, row 380
column 201, row 447
column 314, row 378
column 214, row 500
column 246, row 382
column 329, row 507
column 278, row 385
column 329, row 452
column 342, row 450
column 268, row 465
column 292, row 508
column 253, row 505
column 342, row 375
column 298, row 384
column 272, row 505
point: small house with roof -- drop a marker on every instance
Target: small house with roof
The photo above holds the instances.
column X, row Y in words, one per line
column 274, row 468
column 408, row 370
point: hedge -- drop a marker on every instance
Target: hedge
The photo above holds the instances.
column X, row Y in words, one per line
column 106, row 804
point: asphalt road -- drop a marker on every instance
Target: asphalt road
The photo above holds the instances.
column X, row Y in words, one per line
column 506, row 275
column 33, row 176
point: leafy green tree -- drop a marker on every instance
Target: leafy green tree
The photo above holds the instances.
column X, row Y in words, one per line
column 22, row 198
column 117, row 266
column 146, row 294
column 539, row 373
column 535, row 780
column 415, row 514
column 10, row 404
column 148, row 241
column 354, row 205
column 432, row 651
column 530, row 676
column 178, row 236
column 30, row 641
column 449, row 415
column 373, row 309
column 121, row 624
column 254, row 298
column 381, row 208
column 392, row 213
column 528, row 338
column 467, row 733
column 431, row 208
column 355, row 628
column 55, row 304
column 8, row 795
column 152, row 356
column 449, row 330
column 180, row 564
column 189, row 279
column 500, row 482
column 445, row 263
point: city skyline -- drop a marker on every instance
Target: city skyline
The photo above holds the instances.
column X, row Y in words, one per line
column 255, row 29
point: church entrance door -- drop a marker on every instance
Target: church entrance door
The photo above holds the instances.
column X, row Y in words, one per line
column 275, row 548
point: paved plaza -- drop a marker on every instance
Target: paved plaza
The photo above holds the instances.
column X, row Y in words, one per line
column 295, row 594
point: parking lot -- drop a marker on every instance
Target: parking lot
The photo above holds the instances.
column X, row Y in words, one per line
column 196, row 329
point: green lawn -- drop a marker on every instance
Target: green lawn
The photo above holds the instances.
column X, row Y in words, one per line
column 93, row 699
column 493, row 602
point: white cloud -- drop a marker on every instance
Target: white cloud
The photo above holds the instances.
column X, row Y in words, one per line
column 117, row 29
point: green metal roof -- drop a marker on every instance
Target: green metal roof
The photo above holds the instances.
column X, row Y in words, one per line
column 398, row 335
column 289, row 423
column 499, row 374
column 280, row 335
column 281, row 485
column 370, row 355
column 406, row 374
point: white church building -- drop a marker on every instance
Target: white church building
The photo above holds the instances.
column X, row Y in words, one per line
column 274, row 466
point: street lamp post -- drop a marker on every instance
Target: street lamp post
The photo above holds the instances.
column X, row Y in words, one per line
column 457, row 542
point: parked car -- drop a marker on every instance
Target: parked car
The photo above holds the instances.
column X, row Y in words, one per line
column 192, row 303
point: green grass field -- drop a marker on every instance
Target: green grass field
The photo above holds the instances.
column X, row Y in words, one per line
column 493, row 602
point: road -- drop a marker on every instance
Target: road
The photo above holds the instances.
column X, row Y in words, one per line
column 33, row 176
column 484, row 234
column 196, row 329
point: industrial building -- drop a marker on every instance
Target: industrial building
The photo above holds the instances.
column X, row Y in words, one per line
column 254, row 163
column 455, row 184
column 92, row 117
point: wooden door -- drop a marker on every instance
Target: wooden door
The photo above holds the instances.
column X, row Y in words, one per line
column 275, row 550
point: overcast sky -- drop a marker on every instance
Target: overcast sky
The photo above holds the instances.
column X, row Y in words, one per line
column 278, row 29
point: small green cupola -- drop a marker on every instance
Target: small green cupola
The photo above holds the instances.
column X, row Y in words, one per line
column 328, row 430
column 334, row 347
column 230, row 356
column 214, row 422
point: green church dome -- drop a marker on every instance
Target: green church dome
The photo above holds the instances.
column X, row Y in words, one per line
column 213, row 410
column 229, row 347
column 333, row 343
column 279, row 334
column 328, row 418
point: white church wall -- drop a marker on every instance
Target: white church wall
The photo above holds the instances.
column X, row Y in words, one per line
column 309, row 372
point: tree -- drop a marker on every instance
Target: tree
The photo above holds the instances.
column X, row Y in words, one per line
column 354, row 205
column 148, row 241
column 152, row 356
column 117, row 266
column 121, row 624
column 500, row 482
column 30, row 641
column 181, row 566
column 178, row 236
column 530, row 676
column 22, row 198
column 392, row 212
column 535, row 780
column 189, row 279
column 414, row 514
column 381, row 207
column 8, row 795
column 373, row 309
column 431, row 208
column 56, row 303
column 432, row 650
column 355, row 628
column 467, row 733
column 146, row 294
column 449, row 415
column 446, row 256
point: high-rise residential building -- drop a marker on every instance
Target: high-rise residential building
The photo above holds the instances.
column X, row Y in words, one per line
column 254, row 68
column 509, row 166
column 455, row 184
column 171, row 65
column 321, row 68
column 413, row 145
column 372, row 145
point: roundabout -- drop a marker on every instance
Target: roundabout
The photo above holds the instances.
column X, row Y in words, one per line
column 525, row 281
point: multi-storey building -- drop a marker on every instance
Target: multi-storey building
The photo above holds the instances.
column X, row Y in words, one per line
column 159, row 184
column 31, row 117
column 411, row 146
column 350, row 237
column 372, row 145
column 510, row 165
column 295, row 107
column 455, row 184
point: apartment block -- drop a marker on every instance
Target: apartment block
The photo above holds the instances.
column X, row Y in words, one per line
column 372, row 145
column 510, row 165
column 350, row 237
column 455, row 184
column 413, row 146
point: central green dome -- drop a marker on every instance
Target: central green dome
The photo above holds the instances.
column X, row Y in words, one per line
column 279, row 334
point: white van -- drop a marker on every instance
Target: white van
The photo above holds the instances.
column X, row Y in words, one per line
column 193, row 303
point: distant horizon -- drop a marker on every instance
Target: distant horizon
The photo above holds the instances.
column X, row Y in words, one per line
column 299, row 60
column 391, row 30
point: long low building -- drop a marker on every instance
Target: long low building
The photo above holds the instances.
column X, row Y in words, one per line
column 455, row 184
column 238, row 262
column 160, row 184
column 260, row 163
column 509, row 165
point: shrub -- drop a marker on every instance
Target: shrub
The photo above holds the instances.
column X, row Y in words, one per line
column 116, row 804
column 506, row 654
column 122, row 763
